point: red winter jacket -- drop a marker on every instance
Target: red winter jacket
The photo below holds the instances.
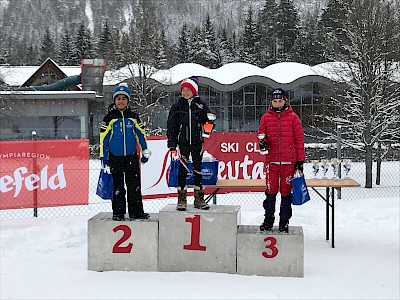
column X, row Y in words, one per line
column 284, row 135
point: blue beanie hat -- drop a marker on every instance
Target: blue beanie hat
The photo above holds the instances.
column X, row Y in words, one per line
column 122, row 89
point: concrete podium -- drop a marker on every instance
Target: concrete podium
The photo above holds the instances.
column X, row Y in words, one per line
column 122, row 245
column 270, row 253
column 198, row 240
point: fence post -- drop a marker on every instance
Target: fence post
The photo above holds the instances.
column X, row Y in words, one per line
column 34, row 166
column 339, row 156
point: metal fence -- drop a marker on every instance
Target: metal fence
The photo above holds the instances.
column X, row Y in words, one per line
column 389, row 187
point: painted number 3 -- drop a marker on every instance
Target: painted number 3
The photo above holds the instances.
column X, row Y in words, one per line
column 271, row 246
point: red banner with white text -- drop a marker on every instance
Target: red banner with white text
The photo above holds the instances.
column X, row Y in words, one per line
column 44, row 173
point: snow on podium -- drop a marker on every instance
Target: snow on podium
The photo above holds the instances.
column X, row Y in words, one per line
column 196, row 241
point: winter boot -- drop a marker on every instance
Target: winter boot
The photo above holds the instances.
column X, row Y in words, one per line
column 140, row 216
column 182, row 201
column 268, row 223
column 199, row 198
column 284, row 226
column 118, row 217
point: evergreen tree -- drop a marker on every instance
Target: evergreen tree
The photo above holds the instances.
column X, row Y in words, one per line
column 211, row 49
column 267, row 20
column 31, row 57
column 308, row 47
column 82, row 44
column 250, row 42
column 332, row 34
column 65, row 51
column 195, row 52
column 162, row 52
column 184, row 46
column 226, row 48
column 47, row 48
column 287, row 29
column 105, row 46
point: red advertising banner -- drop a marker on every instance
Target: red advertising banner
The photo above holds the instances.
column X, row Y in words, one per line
column 44, row 173
column 238, row 155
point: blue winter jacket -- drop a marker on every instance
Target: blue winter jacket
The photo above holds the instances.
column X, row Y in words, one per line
column 120, row 132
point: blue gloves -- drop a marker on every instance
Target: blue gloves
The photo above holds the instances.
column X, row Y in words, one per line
column 105, row 163
column 146, row 153
column 144, row 160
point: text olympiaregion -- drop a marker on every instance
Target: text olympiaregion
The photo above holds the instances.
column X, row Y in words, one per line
column 11, row 155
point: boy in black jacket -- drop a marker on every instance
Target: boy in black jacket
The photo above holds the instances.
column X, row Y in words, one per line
column 185, row 129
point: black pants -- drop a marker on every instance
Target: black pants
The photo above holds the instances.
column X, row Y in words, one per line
column 197, row 156
column 125, row 170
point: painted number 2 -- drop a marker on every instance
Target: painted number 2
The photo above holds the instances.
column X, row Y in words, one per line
column 127, row 233
column 271, row 246
column 194, row 235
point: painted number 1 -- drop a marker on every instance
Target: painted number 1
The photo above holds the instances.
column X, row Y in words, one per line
column 194, row 235
column 270, row 246
column 127, row 233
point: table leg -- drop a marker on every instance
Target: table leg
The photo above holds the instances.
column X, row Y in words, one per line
column 327, row 213
column 333, row 218
column 213, row 196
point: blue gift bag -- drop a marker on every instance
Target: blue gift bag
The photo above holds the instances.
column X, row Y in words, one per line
column 300, row 191
column 173, row 173
column 209, row 171
column 105, row 186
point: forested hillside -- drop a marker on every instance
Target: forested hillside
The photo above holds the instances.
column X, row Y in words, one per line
column 27, row 26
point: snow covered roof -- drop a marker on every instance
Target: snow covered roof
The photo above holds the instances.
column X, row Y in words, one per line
column 18, row 75
column 284, row 72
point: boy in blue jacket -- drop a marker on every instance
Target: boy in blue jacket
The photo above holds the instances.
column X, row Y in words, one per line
column 120, row 133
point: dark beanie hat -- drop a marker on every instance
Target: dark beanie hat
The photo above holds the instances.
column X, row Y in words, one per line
column 279, row 94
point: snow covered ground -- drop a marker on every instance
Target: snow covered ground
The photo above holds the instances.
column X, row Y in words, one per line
column 47, row 259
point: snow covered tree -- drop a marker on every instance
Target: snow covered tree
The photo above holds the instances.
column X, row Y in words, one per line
column 210, row 50
column 31, row 56
column 369, row 103
column 308, row 47
column 267, row 20
column 106, row 43
column 332, row 35
column 250, row 42
column 287, row 29
column 226, row 47
column 83, row 46
column 65, row 50
column 47, row 48
column 184, row 45
column 162, row 51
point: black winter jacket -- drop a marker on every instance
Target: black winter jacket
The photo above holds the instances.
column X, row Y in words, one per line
column 185, row 123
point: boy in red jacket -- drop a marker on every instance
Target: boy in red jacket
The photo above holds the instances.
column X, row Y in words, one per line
column 284, row 140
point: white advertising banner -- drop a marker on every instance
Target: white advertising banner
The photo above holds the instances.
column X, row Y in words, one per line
column 237, row 153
